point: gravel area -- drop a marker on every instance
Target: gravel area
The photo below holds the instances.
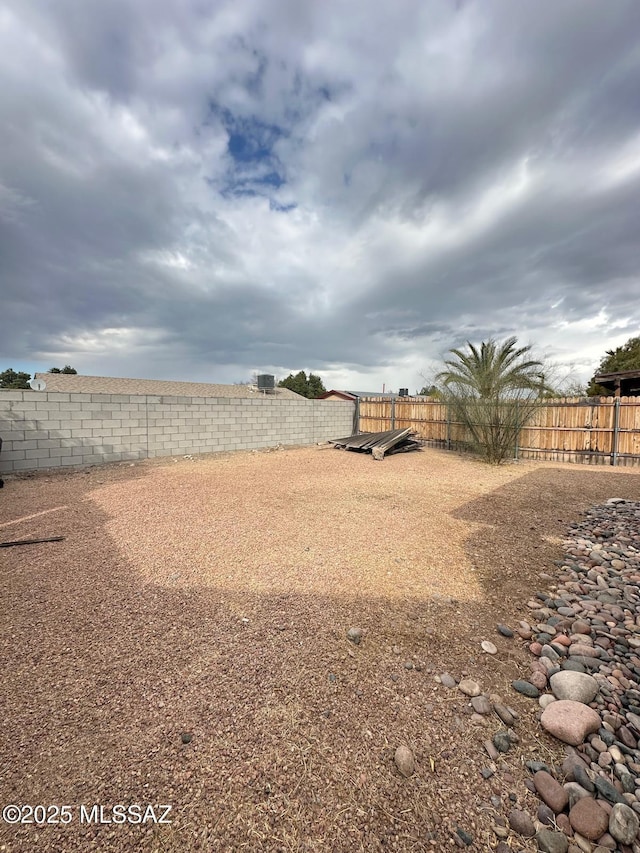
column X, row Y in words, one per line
column 186, row 644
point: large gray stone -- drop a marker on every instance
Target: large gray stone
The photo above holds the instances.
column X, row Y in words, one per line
column 552, row 842
column 623, row 823
column 575, row 686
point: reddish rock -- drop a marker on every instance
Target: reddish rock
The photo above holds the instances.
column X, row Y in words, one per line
column 583, row 651
column 535, row 649
column 551, row 791
column 521, row 823
column 624, row 735
column 564, row 824
column 587, row 818
column 608, row 842
column 579, row 638
column 608, row 807
column 580, row 627
column 539, row 680
column 570, row 721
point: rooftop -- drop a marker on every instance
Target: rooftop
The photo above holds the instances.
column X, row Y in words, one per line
column 77, row 384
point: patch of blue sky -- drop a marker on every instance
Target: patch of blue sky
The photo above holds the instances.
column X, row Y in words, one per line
column 254, row 167
column 249, row 138
column 281, row 208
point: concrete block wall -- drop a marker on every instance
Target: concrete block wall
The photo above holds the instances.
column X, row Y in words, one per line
column 54, row 429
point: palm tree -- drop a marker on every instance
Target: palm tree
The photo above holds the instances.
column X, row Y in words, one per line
column 493, row 371
column 492, row 392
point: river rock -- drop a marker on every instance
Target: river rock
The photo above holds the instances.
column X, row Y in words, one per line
column 570, row 721
column 481, row 704
column 576, row 792
column 355, row 635
column 550, row 790
column 521, row 823
column 469, row 687
column 574, row 686
column 539, row 680
column 502, row 741
column 581, row 776
column 587, row 818
column 625, row 737
column 623, row 823
column 405, row 762
column 552, row 842
column 504, row 713
column 526, row 688
column 608, row 791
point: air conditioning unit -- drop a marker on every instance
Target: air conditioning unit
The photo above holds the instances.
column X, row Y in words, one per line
column 403, row 392
column 266, row 383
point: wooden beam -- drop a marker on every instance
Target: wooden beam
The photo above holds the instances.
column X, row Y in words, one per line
column 30, row 541
column 381, row 447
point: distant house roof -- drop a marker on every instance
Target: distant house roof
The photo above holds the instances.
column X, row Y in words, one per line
column 352, row 395
column 76, row 384
column 625, row 383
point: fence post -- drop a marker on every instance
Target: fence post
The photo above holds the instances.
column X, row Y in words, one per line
column 616, row 430
column 515, row 449
column 393, row 413
column 356, row 417
column 448, row 426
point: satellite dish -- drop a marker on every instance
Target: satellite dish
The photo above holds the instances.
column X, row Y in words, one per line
column 38, row 384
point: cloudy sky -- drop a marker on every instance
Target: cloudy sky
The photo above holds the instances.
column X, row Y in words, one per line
column 200, row 190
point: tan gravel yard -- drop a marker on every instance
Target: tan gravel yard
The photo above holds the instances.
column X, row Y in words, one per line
column 212, row 597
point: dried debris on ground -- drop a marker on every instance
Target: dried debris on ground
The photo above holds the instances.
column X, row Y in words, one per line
column 187, row 645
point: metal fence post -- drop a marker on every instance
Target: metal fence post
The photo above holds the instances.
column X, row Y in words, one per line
column 616, row 431
column 448, row 426
column 356, row 417
column 393, row 413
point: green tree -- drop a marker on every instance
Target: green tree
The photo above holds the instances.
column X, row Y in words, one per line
column 626, row 357
column 430, row 391
column 493, row 371
column 10, row 379
column 66, row 369
column 492, row 392
column 307, row 386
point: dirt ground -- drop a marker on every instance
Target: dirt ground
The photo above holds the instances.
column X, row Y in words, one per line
column 211, row 598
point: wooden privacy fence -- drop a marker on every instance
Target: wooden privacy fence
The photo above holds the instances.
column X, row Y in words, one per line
column 594, row 430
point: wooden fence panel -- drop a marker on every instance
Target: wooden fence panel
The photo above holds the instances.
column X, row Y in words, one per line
column 570, row 429
column 628, row 449
column 590, row 430
column 375, row 414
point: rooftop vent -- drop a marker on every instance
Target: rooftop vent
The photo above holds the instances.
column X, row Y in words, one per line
column 403, row 392
column 266, row 383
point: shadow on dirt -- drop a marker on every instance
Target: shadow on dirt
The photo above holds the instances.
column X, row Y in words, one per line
column 525, row 522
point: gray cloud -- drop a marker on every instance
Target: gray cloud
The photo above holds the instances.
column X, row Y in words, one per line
column 199, row 190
